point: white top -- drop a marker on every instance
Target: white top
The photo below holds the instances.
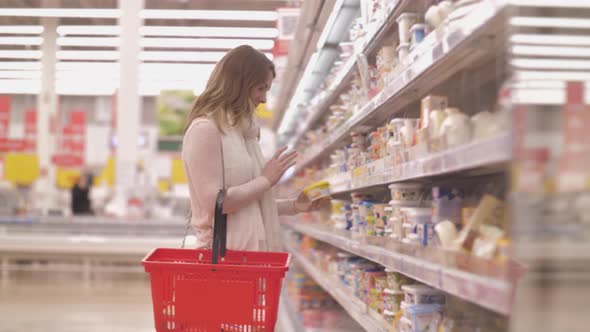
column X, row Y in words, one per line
column 249, row 202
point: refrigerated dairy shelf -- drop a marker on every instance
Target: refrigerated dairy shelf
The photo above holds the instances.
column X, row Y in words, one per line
column 358, row 310
column 371, row 41
column 487, row 283
column 484, row 156
column 458, row 48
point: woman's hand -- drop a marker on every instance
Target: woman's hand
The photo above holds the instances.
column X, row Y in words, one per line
column 278, row 165
column 304, row 204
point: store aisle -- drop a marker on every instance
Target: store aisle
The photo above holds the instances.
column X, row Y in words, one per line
column 65, row 302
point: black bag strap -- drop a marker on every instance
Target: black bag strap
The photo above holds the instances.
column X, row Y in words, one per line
column 219, row 229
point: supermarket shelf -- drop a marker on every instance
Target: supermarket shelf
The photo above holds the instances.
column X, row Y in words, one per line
column 477, row 155
column 458, row 48
column 358, row 310
column 288, row 320
column 484, row 282
column 335, row 89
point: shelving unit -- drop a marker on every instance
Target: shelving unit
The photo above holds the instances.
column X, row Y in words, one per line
column 457, row 48
column 482, row 156
column 358, row 310
column 483, row 282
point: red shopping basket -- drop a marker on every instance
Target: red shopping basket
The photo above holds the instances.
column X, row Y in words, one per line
column 194, row 291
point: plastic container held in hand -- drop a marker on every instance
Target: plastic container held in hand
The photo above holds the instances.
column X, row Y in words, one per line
column 317, row 190
column 422, row 294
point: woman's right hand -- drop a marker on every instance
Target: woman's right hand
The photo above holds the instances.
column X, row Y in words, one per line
column 278, row 165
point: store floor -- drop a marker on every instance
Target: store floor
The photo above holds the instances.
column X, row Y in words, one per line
column 66, row 302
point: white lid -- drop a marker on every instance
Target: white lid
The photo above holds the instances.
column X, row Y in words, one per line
column 405, row 16
column 403, row 45
column 388, row 313
column 417, row 211
column 418, row 26
column 392, row 292
column 420, row 289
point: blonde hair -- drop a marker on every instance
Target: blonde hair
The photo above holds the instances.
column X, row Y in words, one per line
column 226, row 99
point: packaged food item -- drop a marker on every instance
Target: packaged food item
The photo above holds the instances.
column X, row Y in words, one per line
column 456, row 128
column 418, row 32
column 392, row 299
column 389, row 316
column 447, row 203
column 405, row 22
column 396, row 280
column 406, row 191
column 422, row 294
column 446, row 232
column 423, row 317
column 403, row 52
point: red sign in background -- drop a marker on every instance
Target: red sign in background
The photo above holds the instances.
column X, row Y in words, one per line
column 71, row 141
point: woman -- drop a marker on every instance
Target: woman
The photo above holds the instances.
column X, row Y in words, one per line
column 221, row 141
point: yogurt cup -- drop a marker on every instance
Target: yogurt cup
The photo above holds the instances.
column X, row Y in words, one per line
column 405, row 22
column 418, row 32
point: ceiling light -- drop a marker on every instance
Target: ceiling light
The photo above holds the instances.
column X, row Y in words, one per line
column 551, row 22
column 89, row 41
column 20, row 74
column 25, row 65
column 90, row 30
column 87, row 55
column 261, row 44
column 20, row 54
column 572, row 40
column 185, row 56
column 21, row 29
column 217, row 15
column 29, row 41
column 557, row 51
column 227, row 32
column 551, row 64
column 61, row 12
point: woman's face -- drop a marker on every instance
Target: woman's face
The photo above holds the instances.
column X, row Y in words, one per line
column 258, row 93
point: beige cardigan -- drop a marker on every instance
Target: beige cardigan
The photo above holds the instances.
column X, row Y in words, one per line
column 249, row 202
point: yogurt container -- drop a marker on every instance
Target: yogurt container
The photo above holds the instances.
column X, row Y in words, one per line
column 405, row 22
column 392, row 299
column 406, row 191
column 317, row 190
column 422, row 294
column 418, row 32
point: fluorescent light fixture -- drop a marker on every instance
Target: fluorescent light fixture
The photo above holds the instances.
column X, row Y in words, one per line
column 551, row 64
column 85, row 66
column 20, row 54
column 21, row 29
column 184, row 56
column 552, row 75
column 330, row 23
column 171, row 31
column 62, row 12
column 557, row 51
column 572, row 40
column 20, row 74
column 89, row 41
column 551, row 22
column 25, row 65
column 261, row 44
column 552, row 3
column 87, row 55
column 33, row 41
column 89, row 30
column 216, row 15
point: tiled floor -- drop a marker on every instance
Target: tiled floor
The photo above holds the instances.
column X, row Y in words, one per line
column 65, row 302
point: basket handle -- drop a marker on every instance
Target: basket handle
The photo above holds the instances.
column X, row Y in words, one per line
column 219, row 229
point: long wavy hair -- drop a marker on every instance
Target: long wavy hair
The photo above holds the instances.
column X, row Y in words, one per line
column 226, row 99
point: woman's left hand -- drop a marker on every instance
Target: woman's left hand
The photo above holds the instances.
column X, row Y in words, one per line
column 304, row 204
